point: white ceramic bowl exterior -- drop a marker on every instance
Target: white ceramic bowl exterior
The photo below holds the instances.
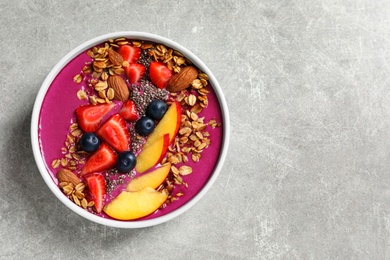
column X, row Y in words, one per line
column 35, row 121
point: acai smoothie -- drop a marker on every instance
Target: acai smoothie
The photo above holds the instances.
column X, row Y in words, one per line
column 130, row 129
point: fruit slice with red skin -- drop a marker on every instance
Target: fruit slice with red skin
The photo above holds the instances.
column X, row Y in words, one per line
column 90, row 116
column 159, row 74
column 129, row 111
column 97, row 190
column 135, row 72
column 151, row 179
column 115, row 133
column 129, row 53
column 152, row 154
column 134, row 205
column 169, row 124
column 103, row 159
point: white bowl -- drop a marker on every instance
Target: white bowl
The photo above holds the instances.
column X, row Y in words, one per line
column 42, row 165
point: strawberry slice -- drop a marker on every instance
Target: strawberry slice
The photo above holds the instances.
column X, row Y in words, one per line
column 129, row 53
column 97, row 190
column 129, row 111
column 90, row 116
column 102, row 159
column 115, row 133
column 159, row 74
column 135, row 72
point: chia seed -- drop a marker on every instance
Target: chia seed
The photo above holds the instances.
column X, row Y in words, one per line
column 137, row 141
column 144, row 92
column 115, row 178
column 145, row 60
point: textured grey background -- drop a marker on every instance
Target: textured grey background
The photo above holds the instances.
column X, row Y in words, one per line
column 307, row 174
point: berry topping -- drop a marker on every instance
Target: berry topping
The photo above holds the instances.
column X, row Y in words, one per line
column 97, row 190
column 159, row 74
column 103, row 159
column 89, row 142
column 114, row 131
column 129, row 53
column 144, row 126
column 126, row 161
column 90, row 116
column 135, row 72
column 156, row 109
column 129, row 111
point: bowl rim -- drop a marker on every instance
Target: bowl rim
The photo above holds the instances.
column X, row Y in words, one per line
column 35, row 126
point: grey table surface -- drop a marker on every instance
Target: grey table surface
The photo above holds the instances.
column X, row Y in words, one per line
column 307, row 172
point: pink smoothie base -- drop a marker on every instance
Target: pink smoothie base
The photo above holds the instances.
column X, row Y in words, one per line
column 57, row 114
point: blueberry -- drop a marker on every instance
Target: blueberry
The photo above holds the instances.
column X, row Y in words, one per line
column 156, row 109
column 89, row 142
column 144, row 126
column 126, row 161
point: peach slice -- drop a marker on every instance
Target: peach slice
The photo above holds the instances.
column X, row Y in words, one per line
column 169, row 124
column 152, row 154
column 133, row 205
column 151, row 179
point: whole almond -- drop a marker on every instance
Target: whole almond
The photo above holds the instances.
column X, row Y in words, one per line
column 64, row 175
column 115, row 57
column 118, row 84
column 182, row 79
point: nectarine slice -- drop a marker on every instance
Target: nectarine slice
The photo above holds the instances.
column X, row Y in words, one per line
column 152, row 154
column 151, row 179
column 133, row 205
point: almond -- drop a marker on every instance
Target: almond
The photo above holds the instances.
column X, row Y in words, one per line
column 118, row 84
column 115, row 57
column 183, row 79
column 64, row 175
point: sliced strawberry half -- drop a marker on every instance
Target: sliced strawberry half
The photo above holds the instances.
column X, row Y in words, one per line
column 115, row 133
column 97, row 190
column 129, row 53
column 159, row 74
column 129, row 111
column 135, row 72
column 103, row 159
column 90, row 116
